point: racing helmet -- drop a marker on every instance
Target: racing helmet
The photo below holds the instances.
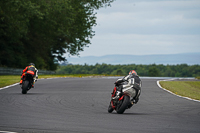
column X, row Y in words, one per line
column 32, row 64
column 132, row 72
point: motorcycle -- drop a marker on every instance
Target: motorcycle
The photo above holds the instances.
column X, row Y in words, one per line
column 27, row 83
column 129, row 96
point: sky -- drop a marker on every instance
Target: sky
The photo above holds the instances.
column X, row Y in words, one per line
column 146, row 27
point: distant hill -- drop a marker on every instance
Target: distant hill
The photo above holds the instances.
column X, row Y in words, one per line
column 185, row 58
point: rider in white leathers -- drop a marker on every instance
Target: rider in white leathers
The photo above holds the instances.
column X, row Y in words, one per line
column 131, row 80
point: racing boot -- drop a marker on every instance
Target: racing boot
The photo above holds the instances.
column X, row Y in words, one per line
column 33, row 84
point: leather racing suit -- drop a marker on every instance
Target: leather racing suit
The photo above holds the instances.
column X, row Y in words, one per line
column 30, row 70
column 122, row 83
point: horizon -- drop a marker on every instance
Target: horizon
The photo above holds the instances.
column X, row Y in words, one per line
column 182, row 58
column 131, row 55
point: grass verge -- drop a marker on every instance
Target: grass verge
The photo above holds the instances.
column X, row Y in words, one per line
column 6, row 80
column 189, row 89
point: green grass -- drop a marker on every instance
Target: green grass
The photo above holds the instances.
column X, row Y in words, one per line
column 189, row 89
column 6, row 80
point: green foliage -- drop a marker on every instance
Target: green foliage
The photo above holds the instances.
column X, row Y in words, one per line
column 153, row 72
column 42, row 31
column 181, row 70
column 118, row 72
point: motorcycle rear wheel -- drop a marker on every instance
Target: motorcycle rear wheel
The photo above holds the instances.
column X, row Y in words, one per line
column 123, row 106
column 25, row 87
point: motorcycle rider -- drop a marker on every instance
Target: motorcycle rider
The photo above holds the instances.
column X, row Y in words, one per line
column 30, row 69
column 121, row 83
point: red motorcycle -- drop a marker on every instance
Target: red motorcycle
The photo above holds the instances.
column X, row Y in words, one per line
column 129, row 96
column 27, row 83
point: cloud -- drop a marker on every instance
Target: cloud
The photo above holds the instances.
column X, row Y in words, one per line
column 157, row 17
column 136, row 44
column 142, row 27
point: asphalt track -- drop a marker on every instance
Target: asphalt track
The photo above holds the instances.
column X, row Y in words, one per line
column 73, row 105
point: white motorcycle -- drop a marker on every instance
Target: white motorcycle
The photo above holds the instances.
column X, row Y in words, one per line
column 130, row 94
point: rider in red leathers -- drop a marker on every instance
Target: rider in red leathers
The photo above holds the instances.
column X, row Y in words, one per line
column 31, row 69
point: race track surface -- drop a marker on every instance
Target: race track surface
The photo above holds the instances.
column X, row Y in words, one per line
column 73, row 105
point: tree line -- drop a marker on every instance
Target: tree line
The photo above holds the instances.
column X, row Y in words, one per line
column 152, row 70
column 42, row 31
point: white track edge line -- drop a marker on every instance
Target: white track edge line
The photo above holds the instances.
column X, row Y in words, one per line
column 157, row 84
column 7, row 132
column 18, row 84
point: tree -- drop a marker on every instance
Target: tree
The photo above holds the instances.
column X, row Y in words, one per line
column 153, row 72
column 42, row 31
column 117, row 72
column 142, row 70
column 14, row 21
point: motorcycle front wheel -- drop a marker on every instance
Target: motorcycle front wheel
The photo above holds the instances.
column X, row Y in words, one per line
column 110, row 109
column 122, row 106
